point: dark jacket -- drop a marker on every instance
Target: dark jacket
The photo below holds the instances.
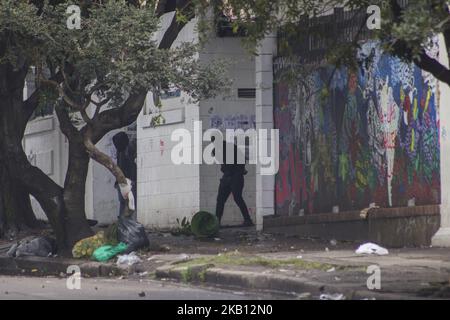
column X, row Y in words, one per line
column 126, row 163
column 231, row 169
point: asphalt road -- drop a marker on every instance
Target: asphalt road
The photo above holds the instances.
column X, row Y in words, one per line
column 27, row 288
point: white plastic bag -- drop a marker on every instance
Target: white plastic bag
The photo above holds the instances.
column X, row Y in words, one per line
column 371, row 248
column 335, row 296
column 125, row 190
column 128, row 259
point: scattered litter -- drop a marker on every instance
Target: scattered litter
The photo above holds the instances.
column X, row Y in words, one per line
column 304, row 295
column 128, row 259
column 299, row 257
column 292, row 248
column 364, row 212
column 283, row 270
column 334, row 296
column 183, row 257
column 326, row 249
column 333, row 242
column 142, row 294
column 86, row 247
column 337, row 278
column 132, row 233
column 104, row 253
column 217, row 239
column 164, row 247
column 40, row 247
column 371, row 248
column 143, row 274
column 34, row 270
column 333, row 269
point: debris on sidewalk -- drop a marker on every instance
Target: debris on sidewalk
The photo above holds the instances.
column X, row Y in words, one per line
column 132, row 233
column 86, row 247
column 334, row 296
column 128, row 259
column 333, row 269
column 204, row 224
column 371, row 248
column 305, row 295
column 364, row 212
column 107, row 252
column 39, row 247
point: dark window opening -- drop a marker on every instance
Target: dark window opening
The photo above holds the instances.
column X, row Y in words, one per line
column 247, row 93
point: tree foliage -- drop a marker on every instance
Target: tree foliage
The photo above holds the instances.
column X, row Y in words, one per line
column 407, row 27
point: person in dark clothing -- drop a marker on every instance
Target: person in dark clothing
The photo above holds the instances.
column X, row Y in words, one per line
column 232, row 181
column 125, row 161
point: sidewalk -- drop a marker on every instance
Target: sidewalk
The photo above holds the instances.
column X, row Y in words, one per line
column 241, row 259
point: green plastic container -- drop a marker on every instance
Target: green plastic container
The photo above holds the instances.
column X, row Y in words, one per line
column 204, row 224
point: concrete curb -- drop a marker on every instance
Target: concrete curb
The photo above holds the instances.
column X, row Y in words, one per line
column 248, row 280
column 37, row 266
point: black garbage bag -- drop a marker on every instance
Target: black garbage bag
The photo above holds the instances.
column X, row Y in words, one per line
column 39, row 247
column 132, row 233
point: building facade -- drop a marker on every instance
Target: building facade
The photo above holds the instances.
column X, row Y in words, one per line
column 375, row 137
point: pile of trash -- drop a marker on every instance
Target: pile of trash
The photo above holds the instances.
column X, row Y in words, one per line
column 39, row 247
column 124, row 237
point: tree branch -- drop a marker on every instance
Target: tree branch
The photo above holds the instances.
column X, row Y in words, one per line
column 118, row 117
column 65, row 124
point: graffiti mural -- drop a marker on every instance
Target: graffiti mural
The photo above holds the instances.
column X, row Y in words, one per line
column 353, row 138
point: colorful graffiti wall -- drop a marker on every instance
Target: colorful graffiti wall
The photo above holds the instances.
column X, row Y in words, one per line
column 354, row 138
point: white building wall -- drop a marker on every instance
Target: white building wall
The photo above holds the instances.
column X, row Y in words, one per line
column 166, row 191
column 105, row 201
column 47, row 148
column 442, row 237
column 265, row 184
column 228, row 107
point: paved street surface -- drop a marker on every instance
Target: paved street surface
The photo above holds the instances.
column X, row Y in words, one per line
column 98, row 289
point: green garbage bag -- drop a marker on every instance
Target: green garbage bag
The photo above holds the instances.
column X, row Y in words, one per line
column 104, row 253
column 204, row 224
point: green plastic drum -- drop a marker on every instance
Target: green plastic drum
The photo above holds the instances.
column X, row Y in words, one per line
column 204, row 224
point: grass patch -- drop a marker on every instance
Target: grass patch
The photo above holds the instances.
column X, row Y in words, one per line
column 187, row 275
column 236, row 259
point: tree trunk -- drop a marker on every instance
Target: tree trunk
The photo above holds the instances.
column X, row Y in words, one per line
column 16, row 213
column 15, row 206
column 74, row 192
column 18, row 177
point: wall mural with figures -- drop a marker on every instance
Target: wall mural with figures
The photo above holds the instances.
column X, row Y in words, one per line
column 353, row 138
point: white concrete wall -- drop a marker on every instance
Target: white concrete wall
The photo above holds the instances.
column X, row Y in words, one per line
column 166, row 191
column 46, row 148
column 105, row 203
column 442, row 237
column 242, row 72
column 265, row 184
